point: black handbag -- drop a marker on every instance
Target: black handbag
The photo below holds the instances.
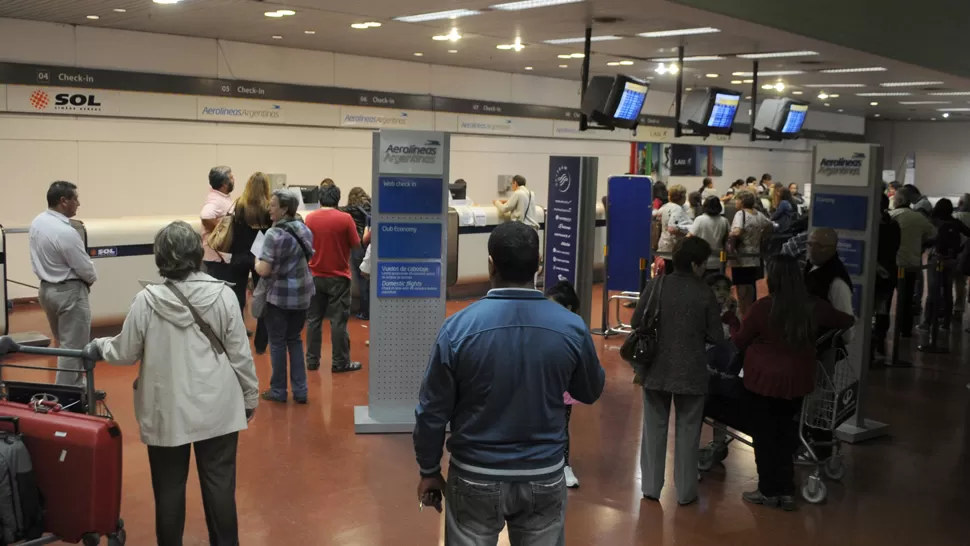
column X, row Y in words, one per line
column 640, row 346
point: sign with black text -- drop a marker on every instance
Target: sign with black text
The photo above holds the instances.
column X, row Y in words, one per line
column 562, row 220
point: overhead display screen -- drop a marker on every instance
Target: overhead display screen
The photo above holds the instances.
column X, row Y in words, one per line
column 796, row 118
column 724, row 109
column 631, row 101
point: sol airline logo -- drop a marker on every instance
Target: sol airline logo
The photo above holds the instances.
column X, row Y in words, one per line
column 40, row 100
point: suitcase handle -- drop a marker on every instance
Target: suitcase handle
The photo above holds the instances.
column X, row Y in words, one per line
column 14, row 420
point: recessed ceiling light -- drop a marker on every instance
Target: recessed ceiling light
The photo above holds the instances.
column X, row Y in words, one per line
column 885, row 94
column 309, row 32
column 613, row 63
column 695, row 58
column 530, row 4
column 564, row 56
column 437, row 16
column 736, row 82
column 748, row 97
column 777, row 54
column 919, row 102
column 780, row 86
column 841, row 110
column 875, row 115
column 663, row 69
column 119, row 10
column 453, row 36
column 528, row 68
column 834, row 95
column 833, row 85
column 770, row 73
column 949, row 93
column 286, row 12
column 908, row 84
column 577, row 55
column 689, row 89
column 953, row 109
column 767, row 86
column 932, row 119
column 946, row 114
column 796, row 92
column 679, row 32
column 873, row 103
column 166, row 1
column 564, row 66
column 419, row 54
column 626, row 63
column 711, row 75
column 517, row 46
column 851, row 70
column 452, row 51
column 277, row 37
column 93, row 17
column 274, row 14
column 562, row 41
column 748, row 81
column 827, row 104
column 362, row 26
column 823, row 95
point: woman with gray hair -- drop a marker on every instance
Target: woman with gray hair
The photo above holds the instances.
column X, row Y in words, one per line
column 284, row 264
column 196, row 385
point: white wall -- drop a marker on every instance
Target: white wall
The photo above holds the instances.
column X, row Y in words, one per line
column 942, row 150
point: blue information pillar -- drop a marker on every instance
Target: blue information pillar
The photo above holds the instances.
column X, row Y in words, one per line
column 408, row 232
column 846, row 189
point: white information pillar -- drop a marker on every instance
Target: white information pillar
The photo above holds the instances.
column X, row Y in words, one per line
column 846, row 190
column 409, row 257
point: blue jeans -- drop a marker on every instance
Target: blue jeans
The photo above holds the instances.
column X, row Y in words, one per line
column 477, row 511
column 363, row 285
column 284, row 327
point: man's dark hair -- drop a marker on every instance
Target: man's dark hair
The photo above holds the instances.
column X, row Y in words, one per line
column 329, row 195
column 514, row 249
column 712, row 206
column 219, row 176
column 519, row 179
column 691, row 251
column 765, row 177
column 564, row 294
column 911, row 195
column 60, row 190
column 751, row 179
column 737, row 183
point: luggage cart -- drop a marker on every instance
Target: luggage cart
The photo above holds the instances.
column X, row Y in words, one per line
column 92, row 402
column 617, row 300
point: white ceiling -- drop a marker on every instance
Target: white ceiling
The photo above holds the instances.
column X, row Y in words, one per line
column 243, row 20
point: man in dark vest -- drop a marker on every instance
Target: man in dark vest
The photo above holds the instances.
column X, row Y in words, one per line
column 827, row 278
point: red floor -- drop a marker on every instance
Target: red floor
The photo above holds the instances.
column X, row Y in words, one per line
column 306, row 478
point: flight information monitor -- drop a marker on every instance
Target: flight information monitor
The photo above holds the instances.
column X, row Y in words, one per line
column 631, row 101
column 796, row 117
column 724, row 109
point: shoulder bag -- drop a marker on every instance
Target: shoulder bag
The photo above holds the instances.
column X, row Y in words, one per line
column 220, row 239
column 640, row 347
column 217, row 345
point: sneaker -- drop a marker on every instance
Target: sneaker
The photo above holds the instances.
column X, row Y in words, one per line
column 571, row 481
column 270, row 397
column 787, row 503
column 350, row 367
column 300, row 400
column 757, row 497
column 313, row 367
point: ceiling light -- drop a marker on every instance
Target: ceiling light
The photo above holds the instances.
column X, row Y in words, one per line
column 452, row 51
column 767, row 86
column 362, row 26
column 286, row 12
column 770, row 73
column 953, row 109
column 777, row 54
column 932, row 119
column 875, row 115
column 437, row 16
column 823, row 95
column 530, row 4
column 850, row 70
column 711, row 75
column 528, row 68
column 949, row 93
column 695, row 58
column 564, row 66
column 748, row 97
column 884, row 94
column 613, row 63
column 689, row 89
column 663, row 69
column 736, row 82
column 419, row 54
column 577, row 55
column 946, row 114
column 562, row 41
column 309, row 32
column 166, row 1
column 796, row 92
column 873, row 103
column 908, row 84
column 277, row 37
column 918, row 102
column 780, row 86
column 372, row 24
column 119, row 10
column 833, row 85
column 827, row 104
column 679, row 32
column 451, row 36
column 93, row 17
column 279, row 13
column 626, row 63
column 748, row 81
column 834, row 95
column 564, row 56
column 841, row 110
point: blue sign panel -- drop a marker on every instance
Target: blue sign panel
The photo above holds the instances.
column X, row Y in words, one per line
column 409, row 279
column 857, row 299
column 628, row 230
column 409, row 240
column 562, row 220
column 852, row 252
column 849, row 212
column 408, row 195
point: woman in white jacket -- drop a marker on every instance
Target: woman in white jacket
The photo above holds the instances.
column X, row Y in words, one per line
column 196, row 385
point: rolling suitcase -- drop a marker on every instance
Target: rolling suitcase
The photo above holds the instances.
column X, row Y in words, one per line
column 76, row 458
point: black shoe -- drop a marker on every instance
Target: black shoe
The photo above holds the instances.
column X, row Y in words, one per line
column 312, row 367
column 270, row 397
column 302, row 400
column 350, row 367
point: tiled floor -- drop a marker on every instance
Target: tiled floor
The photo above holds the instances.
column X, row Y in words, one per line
column 306, row 478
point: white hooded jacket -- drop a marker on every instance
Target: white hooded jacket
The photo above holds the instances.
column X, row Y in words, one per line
column 185, row 391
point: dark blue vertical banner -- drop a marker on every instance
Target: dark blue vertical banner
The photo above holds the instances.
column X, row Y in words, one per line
column 562, row 220
column 628, row 219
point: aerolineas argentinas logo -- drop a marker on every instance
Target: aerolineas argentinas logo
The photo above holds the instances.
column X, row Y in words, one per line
column 842, row 166
column 400, row 155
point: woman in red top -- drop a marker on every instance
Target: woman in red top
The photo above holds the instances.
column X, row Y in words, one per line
column 777, row 338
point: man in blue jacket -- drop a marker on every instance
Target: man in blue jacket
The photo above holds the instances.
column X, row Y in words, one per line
column 497, row 373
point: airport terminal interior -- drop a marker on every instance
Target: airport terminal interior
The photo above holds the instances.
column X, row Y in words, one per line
column 451, row 118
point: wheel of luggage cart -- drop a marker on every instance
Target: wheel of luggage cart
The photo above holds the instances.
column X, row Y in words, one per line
column 91, row 540
column 119, row 537
column 814, row 490
column 834, row 468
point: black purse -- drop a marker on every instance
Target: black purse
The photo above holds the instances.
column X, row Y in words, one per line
column 640, row 347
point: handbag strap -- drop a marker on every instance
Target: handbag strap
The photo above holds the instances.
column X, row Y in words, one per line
column 207, row 330
column 652, row 309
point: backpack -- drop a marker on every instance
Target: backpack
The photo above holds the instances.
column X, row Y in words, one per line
column 21, row 503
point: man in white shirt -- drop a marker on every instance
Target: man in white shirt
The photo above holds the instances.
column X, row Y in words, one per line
column 217, row 205
column 60, row 260
column 915, row 230
column 520, row 206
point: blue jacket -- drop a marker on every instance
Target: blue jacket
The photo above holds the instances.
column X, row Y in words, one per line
column 497, row 373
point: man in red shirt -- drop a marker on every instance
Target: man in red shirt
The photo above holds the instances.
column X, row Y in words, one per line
column 334, row 236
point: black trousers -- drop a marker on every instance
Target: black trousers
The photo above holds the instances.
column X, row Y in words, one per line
column 771, row 421
column 215, row 460
column 905, row 302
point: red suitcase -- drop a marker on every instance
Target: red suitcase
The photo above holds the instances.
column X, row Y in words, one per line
column 76, row 459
